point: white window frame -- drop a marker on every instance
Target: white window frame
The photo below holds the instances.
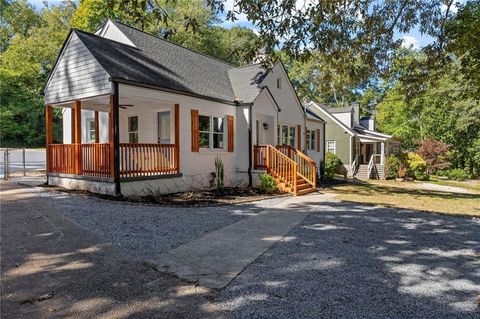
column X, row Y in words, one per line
column 334, row 146
column 133, row 132
column 211, row 132
column 311, row 140
column 89, row 130
column 280, row 140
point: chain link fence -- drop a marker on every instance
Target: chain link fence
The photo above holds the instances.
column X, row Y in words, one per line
column 17, row 162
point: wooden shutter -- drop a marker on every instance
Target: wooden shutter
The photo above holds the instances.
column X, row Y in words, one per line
column 318, row 139
column 299, row 137
column 230, row 131
column 195, row 124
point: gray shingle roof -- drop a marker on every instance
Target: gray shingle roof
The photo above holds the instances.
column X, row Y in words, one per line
column 157, row 62
column 245, row 81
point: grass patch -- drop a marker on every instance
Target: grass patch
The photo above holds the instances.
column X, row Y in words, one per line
column 407, row 195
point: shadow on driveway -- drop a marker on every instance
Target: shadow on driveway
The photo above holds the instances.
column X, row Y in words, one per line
column 354, row 261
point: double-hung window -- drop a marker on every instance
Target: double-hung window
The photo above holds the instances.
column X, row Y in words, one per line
column 211, row 131
column 286, row 135
column 331, row 147
column 311, row 140
column 90, row 130
column 133, row 129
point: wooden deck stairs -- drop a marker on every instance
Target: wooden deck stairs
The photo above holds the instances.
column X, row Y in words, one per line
column 294, row 171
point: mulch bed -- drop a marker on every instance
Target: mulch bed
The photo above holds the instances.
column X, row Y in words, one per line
column 200, row 198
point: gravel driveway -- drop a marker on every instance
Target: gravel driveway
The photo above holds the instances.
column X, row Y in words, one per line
column 146, row 231
column 355, row 261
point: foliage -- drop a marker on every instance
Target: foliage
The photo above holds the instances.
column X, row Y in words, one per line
column 392, row 166
column 25, row 62
column 267, row 183
column 456, row 174
column 332, row 161
column 219, row 173
column 417, row 167
column 435, row 154
column 185, row 22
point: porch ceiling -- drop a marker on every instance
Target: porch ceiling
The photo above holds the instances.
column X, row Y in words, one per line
column 101, row 103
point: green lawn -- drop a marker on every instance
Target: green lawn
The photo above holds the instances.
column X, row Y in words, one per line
column 410, row 195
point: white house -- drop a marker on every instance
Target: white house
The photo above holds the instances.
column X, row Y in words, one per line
column 141, row 114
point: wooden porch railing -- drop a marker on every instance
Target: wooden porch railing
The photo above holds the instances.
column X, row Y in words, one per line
column 307, row 168
column 281, row 167
column 95, row 160
column 61, row 158
column 136, row 160
column 140, row 160
column 260, row 156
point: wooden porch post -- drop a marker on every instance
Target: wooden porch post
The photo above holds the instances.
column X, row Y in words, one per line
column 48, row 134
column 77, row 111
column 177, row 137
column 114, row 128
column 97, row 130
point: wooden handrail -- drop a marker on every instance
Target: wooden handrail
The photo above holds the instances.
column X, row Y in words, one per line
column 307, row 168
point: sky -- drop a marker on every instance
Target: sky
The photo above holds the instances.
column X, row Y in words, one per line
column 412, row 39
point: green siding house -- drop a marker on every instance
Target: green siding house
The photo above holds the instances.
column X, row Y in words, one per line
column 354, row 140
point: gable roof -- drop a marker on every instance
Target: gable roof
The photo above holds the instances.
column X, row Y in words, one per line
column 312, row 116
column 325, row 111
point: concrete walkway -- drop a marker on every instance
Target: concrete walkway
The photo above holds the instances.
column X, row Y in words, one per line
column 215, row 259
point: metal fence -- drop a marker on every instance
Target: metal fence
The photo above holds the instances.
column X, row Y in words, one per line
column 22, row 162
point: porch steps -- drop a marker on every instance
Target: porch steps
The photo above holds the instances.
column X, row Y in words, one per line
column 378, row 172
column 303, row 187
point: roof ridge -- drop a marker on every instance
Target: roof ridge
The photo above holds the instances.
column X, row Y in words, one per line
column 107, row 39
column 176, row 44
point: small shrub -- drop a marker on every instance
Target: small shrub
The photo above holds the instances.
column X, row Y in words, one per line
column 457, row 174
column 392, row 166
column 416, row 167
column 267, row 183
column 219, row 173
column 332, row 161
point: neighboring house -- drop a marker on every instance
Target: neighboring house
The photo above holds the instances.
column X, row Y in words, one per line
column 141, row 114
column 354, row 140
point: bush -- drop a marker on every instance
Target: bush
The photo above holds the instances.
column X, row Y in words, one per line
column 332, row 161
column 457, row 174
column 392, row 166
column 267, row 183
column 416, row 167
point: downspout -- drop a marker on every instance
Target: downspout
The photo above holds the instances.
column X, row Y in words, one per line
column 250, row 154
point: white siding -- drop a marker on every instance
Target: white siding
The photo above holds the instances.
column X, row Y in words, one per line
column 291, row 111
column 103, row 121
column 77, row 75
column 345, row 118
column 314, row 154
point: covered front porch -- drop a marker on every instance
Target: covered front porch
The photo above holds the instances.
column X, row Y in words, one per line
column 104, row 143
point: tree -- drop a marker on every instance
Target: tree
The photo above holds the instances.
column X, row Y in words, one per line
column 435, row 154
column 24, row 67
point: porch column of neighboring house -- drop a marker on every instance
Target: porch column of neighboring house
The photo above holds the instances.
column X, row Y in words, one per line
column 114, row 138
column 48, row 134
column 177, row 137
column 77, row 113
column 382, row 152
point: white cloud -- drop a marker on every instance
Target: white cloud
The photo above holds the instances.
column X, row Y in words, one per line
column 230, row 5
column 410, row 42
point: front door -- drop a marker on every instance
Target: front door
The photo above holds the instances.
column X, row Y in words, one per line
column 368, row 152
column 164, row 127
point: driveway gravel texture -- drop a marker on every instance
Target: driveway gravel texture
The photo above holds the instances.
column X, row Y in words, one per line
column 345, row 260
column 145, row 231
column 354, row 261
